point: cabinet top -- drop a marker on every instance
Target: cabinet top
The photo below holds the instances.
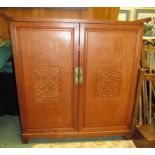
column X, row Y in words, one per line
column 14, row 19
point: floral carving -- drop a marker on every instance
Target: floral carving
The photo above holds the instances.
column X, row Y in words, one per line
column 108, row 82
column 46, row 84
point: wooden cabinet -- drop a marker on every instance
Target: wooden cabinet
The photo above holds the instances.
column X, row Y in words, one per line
column 75, row 78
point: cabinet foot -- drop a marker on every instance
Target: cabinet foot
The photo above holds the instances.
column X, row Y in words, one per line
column 128, row 137
column 25, row 140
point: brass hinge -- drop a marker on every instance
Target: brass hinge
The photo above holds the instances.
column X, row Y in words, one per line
column 78, row 75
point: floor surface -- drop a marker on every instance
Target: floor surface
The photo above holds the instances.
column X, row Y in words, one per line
column 10, row 135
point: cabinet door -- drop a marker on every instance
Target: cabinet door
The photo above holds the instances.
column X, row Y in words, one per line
column 45, row 55
column 110, row 57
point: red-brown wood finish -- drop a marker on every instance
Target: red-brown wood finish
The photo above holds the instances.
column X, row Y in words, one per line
column 45, row 56
column 110, row 56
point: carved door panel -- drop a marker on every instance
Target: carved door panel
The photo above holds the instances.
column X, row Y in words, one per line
column 45, row 55
column 109, row 58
